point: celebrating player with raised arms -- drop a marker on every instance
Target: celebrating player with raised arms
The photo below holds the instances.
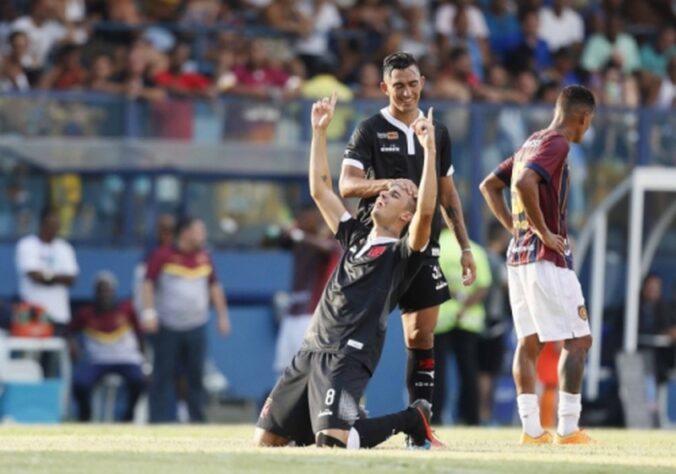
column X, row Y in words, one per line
column 316, row 399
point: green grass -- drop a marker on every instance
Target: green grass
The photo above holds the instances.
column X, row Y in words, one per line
column 227, row 449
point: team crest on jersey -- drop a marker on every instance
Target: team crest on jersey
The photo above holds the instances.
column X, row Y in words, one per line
column 582, row 312
column 376, row 252
column 390, row 149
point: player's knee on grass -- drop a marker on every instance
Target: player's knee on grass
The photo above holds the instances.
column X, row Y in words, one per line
column 332, row 439
column 266, row 439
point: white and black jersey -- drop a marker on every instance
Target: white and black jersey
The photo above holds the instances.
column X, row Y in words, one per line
column 351, row 317
column 386, row 148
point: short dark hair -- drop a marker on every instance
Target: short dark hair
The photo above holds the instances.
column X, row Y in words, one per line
column 184, row 222
column 576, row 97
column 398, row 60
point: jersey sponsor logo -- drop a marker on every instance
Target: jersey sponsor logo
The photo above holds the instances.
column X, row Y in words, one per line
column 376, row 252
column 390, row 149
column 440, row 285
column 356, row 344
column 429, row 373
column 582, row 312
column 435, row 252
column 426, row 364
column 388, row 135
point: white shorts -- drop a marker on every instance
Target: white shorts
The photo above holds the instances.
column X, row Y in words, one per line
column 289, row 339
column 547, row 300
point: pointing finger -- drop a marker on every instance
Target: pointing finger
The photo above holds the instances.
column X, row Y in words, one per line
column 429, row 113
column 334, row 98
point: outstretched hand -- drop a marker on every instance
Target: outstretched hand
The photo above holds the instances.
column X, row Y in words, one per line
column 322, row 112
column 424, row 130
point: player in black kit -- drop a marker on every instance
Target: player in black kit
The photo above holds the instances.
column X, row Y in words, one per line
column 383, row 152
column 316, row 399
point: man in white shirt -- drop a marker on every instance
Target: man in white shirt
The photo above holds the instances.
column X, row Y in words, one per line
column 42, row 30
column 561, row 26
column 47, row 267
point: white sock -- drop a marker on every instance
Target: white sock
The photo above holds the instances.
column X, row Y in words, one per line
column 353, row 439
column 570, row 406
column 529, row 412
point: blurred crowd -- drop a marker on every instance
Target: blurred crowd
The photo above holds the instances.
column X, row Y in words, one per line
column 500, row 51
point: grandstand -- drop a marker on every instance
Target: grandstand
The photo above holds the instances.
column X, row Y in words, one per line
column 116, row 112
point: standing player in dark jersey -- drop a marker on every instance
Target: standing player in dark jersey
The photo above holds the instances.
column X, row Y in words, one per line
column 544, row 292
column 316, row 399
column 383, row 152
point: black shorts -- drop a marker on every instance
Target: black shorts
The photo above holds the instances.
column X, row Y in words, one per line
column 317, row 391
column 491, row 351
column 428, row 288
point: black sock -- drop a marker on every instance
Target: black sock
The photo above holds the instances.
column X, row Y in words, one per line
column 373, row 431
column 420, row 374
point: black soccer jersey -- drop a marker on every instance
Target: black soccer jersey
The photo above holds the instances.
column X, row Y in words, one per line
column 351, row 316
column 385, row 148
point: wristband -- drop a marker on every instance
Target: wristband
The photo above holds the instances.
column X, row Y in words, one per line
column 149, row 315
column 467, row 250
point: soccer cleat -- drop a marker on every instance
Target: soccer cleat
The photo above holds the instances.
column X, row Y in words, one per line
column 423, row 437
column 577, row 437
column 544, row 438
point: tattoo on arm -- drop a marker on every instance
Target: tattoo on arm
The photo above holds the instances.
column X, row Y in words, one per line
column 458, row 225
column 325, row 178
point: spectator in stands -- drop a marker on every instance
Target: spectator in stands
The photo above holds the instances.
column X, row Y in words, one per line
column 456, row 79
column 491, row 346
column 655, row 57
column 418, row 32
column 612, row 45
column 564, row 68
column 657, row 326
column 461, row 321
column 123, row 11
column 503, row 27
column 287, row 17
column 258, row 77
column 666, row 94
column 561, row 26
column 531, row 51
column 43, row 32
column 67, row 73
column 461, row 37
column 100, row 79
column 134, row 80
column 12, row 75
column 112, row 343
column 313, row 47
column 369, row 82
column 314, row 252
column 445, row 19
column 180, row 282
column 373, row 19
column 179, row 82
column 46, row 268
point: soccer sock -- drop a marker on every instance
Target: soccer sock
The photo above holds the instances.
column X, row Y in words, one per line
column 373, row 431
column 529, row 412
column 570, row 406
column 420, row 374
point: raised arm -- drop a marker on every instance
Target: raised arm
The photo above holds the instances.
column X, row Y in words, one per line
column 321, row 185
column 421, row 224
column 491, row 189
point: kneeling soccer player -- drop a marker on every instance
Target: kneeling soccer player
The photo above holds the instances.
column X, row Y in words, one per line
column 316, row 399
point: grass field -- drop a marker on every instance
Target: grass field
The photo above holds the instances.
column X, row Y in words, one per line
column 227, row 449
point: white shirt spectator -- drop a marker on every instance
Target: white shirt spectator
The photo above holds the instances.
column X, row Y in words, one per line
column 325, row 19
column 446, row 14
column 560, row 31
column 56, row 258
column 41, row 38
